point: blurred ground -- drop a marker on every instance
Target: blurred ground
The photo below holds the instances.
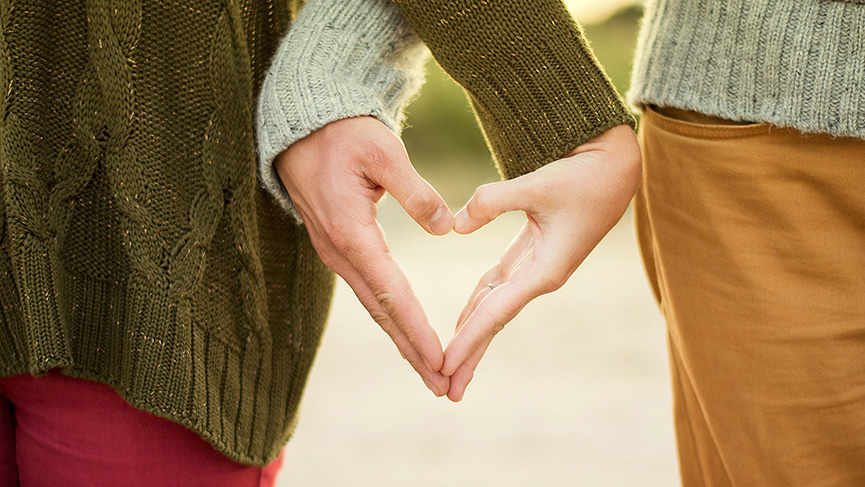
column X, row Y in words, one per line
column 574, row 392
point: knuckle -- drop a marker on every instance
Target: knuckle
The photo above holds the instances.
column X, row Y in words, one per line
column 374, row 154
column 552, row 285
column 560, row 280
column 345, row 237
column 338, row 238
column 495, row 323
column 329, row 259
column 467, row 344
column 411, row 336
column 634, row 166
column 385, row 321
column 534, row 188
column 382, row 319
column 421, row 203
column 483, row 203
column 378, row 150
column 387, row 302
column 553, row 282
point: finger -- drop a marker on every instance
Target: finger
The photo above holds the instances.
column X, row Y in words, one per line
column 390, row 167
column 490, row 201
column 481, row 289
column 391, row 291
column 435, row 381
column 465, row 372
column 334, row 257
column 488, row 318
column 519, row 250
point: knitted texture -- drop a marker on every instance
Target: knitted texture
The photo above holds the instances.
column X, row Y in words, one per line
column 794, row 63
column 532, row 80
column 341, row 59
column 136, row 247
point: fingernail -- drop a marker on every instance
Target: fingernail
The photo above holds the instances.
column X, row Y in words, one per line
column 462, row 219
column 426, row 362
column 440, row 223
column 430, row 386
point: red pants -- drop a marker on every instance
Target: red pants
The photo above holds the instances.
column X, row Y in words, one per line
column 58, row 430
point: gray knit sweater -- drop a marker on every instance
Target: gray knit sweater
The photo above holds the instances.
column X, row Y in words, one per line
column 794, row 63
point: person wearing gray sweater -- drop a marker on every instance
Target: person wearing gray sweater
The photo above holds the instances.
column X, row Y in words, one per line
column 751, row 221
column 750, row 216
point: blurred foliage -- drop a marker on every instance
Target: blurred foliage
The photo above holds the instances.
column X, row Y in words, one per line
column 614, row 41
column 443, row 137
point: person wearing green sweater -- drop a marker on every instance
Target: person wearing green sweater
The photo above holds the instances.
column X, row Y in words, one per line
column 160, row 311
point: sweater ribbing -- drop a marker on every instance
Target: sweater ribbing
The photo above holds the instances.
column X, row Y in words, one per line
column 793, row 63
column 534, row 84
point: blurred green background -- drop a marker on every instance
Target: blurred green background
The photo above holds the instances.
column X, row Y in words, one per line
column 443, row 137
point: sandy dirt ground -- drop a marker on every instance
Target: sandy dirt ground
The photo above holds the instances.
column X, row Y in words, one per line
column 574, row 392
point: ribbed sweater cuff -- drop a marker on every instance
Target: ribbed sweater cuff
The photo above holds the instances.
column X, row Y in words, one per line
column 341, row 59
column 532, row 79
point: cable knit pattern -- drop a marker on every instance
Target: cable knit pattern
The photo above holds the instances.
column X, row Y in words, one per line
column 794, row 63
column 137, row 247
column 336, row 63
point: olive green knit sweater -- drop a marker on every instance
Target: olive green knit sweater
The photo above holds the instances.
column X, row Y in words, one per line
column 136, row 247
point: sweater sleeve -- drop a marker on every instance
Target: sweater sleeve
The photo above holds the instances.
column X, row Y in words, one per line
column 340, row 59
column 532, row 79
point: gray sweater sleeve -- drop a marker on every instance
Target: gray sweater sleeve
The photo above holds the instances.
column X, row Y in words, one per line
column 340, row 59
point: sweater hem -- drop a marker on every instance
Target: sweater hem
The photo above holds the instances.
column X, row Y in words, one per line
column 169, row 414
column 238, row 388
column 770, row 116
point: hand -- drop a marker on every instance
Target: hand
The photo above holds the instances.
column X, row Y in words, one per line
column 335, row 177
column 570, row 205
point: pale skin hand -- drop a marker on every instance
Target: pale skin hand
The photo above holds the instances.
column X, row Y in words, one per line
column 570, row 205
column 335, row 177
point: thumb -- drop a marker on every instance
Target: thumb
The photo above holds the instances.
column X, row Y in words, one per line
column 490, row 201
column 414, row 193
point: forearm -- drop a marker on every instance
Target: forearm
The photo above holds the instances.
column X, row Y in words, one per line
column 535, row 86
column 341, row 59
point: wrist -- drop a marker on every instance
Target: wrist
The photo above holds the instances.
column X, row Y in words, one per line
column 307, row 87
